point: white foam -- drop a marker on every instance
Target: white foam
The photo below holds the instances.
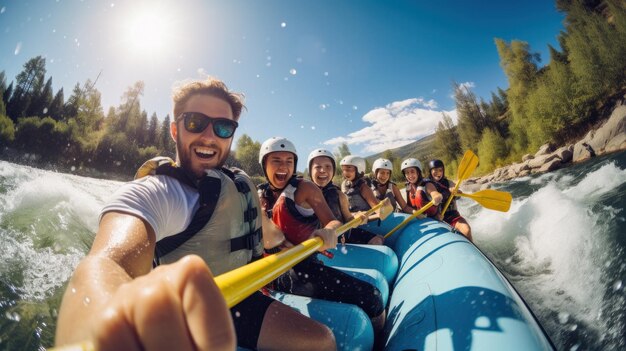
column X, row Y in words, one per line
column 555, row 236
column 598, row 183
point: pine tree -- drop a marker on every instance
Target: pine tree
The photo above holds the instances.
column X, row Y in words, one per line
column 152, row 134
column 56, row 107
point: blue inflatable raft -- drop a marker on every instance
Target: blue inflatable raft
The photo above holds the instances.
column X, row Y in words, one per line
column 441, row 292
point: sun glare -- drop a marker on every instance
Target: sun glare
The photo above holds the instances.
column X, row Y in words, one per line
column 149, row 32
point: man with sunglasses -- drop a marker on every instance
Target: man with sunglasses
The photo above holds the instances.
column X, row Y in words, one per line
column 118, row 301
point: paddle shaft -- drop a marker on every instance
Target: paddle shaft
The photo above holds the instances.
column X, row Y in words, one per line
column 468, row 164
column 409, row 218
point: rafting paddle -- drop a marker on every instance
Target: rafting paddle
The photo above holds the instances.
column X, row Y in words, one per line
column 240, row 283
column 468, row 164
column 491, row 199
column 409, row 218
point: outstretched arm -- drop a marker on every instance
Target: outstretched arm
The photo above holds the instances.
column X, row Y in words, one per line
column 113, row 296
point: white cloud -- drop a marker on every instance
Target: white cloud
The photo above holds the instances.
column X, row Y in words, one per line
column 395, row 125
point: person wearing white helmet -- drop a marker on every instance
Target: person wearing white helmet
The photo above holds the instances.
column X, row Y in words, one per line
column 297, row 207
column 418, row 191
column 321, row 170
column 355, row 185
column 383, row 187
column 452, row 216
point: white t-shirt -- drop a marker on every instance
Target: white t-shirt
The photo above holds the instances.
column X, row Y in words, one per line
column 162, row 201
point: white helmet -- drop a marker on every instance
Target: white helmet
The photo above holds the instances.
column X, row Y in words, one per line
column 276, row 144
column 411, row 162
column 356, row 161
column 319, row 153
column 382, row 163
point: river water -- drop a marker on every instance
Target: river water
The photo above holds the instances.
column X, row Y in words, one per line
column 562, row 245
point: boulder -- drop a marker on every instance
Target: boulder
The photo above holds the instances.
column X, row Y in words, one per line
column 565, row 153
column 550, row 166
column 545, row 149
column 527, row 157
column 520, row 167
column 541, row 160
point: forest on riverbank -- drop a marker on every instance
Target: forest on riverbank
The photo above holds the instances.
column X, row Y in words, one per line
column 552, row 103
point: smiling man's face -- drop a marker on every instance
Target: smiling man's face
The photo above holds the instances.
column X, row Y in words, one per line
column 200, row 151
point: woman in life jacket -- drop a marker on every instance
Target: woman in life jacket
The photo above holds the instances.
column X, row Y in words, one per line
column 321, row 170
column 297, row 207
column 445, row 186
column 383, row 187
column 355, row 185
column 419, row 191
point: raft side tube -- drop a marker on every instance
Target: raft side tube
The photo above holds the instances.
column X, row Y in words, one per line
column 448, row 296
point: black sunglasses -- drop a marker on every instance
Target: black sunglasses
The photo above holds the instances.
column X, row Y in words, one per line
column 196, row 122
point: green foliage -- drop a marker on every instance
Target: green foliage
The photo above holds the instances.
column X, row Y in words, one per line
column 491, row 150
column 342, row 151
column 7, row 129
column 42, row 136
column 247, row 153
column 520, row 66
column 447, row 141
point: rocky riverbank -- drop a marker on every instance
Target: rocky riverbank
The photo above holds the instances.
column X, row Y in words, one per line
column 608, row 138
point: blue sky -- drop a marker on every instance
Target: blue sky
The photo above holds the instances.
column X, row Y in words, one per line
column 373, row 74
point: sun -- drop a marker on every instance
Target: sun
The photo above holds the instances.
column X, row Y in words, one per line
column 148, row 32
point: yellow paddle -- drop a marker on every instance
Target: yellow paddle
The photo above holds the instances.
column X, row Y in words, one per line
column 409, row 218
column 468, row 164
column 239, row 283
column 491, row 199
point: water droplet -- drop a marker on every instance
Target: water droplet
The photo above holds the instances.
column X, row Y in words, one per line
column 112, row 5
column 45, row 110
column 573, row 327
column 18, row 48
column 344, row 249
column 73, row 290
column 73, row 168
column 563, row 317
column 481, row 293
column 86, row 300
column 237, row 314
column 269, row 64
column 617, row 285
column 325, row 74
column 508, row 260
column 293, row 71
column 354, row 107
column 312, row 127
column 283, row 24
column 306, row 275
column 3, row 9
column 323, row 107
column 574, row 348
column 338, row 281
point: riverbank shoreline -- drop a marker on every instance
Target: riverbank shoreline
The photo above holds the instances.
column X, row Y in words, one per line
column 609, row 137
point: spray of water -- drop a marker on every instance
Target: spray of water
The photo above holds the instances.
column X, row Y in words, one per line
column 553, row 244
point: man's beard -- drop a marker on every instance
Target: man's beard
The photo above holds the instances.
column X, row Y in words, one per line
column 184, row 158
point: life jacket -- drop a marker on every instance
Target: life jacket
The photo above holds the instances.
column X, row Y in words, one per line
column 417, row 198
column 226, row 230
column 353, row 191
column 331, row 195
column 443, row 186
column 388, row 194
column 283, row 212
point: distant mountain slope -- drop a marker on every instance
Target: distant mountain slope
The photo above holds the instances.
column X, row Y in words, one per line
column 421, row 149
